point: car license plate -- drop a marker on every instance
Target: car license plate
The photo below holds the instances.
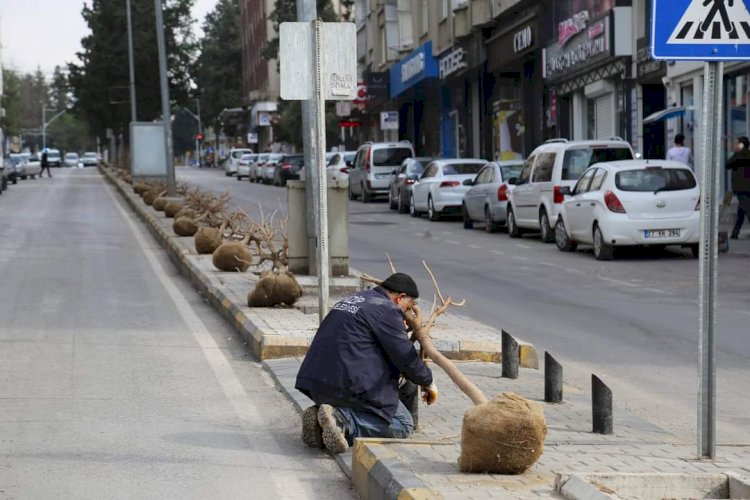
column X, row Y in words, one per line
column 382, row 176
column 650, row 234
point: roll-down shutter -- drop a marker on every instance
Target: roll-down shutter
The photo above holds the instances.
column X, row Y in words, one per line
column 605, row 113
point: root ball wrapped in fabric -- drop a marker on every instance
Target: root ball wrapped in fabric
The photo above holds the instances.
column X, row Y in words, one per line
column 185, row 226
column 503, row 436
column 140, row 188
column 172, row 208
column 233, row 256
column 159, row 204
column 207, row 240
column 275, row 288
column 150, row 196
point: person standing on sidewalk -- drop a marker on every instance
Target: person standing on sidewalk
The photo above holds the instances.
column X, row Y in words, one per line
column 739, row 164
column 45, row 165
column 352, row 368
column 679, row 152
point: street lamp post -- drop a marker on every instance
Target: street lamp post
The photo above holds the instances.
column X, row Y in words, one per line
column 46, row 123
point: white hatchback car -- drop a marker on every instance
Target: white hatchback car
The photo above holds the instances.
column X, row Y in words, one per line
column 243, row 167
column 534, row 202
column 233, row 160
column 626, row 203
column 269, row 167
column 440, row 190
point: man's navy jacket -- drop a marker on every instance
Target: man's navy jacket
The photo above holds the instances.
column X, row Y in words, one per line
column 357, row 354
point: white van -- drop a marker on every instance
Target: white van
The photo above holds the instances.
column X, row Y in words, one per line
column 370, row 175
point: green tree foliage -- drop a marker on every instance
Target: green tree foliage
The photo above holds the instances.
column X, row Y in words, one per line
column 11, row 102
column 100, row 82
column 286, row 11
column 218, row 70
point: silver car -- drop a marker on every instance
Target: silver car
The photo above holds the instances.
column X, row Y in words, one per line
column 269, row 167
column 255, row 173
column 487, row 199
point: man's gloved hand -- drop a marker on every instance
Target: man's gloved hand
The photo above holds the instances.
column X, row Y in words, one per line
column 429, row 393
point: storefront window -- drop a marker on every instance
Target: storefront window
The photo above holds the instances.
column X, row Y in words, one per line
column 508, row 128
column 737, row 118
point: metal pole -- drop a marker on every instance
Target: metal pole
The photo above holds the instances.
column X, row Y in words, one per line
column 321, row 189
column 509, row 356
column 165, row 98
column 601, row 403
column 553, row 379
column 307, row 12
column 44, row 127
column 200, row 129
column 133, row 116
column 708, row 268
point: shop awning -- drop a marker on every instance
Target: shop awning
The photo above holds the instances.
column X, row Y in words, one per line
column 666, row 114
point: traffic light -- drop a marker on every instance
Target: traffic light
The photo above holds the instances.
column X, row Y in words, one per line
column 199, row 137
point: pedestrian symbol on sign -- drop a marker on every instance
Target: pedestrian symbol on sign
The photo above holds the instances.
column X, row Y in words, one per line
column 713, row 22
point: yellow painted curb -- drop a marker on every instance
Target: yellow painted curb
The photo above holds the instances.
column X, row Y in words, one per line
column 419, row 494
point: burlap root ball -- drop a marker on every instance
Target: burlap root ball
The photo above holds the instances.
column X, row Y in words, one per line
column 140, row 187
column 185, row 226
column 172, row 208
column 273, row 289
column 503, row 436
column 150, row 196
column 159, row 204
column 232, row 256
column 186, row 212
column 207, row 240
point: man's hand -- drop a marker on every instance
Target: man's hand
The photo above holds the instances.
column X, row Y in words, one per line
column 429, row 393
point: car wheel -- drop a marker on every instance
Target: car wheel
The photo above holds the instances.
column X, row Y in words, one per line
column 468, row 223
column 239, row 178
column 15, row 180
column 366, row 197
column 351, row 193
column 432, row 214
column 392, row 203
column 489, row 224
column 413, row 208
column 563, row 241
column 696, row 250
column 227, row 174
column 548, row 236
column 513, row 229
column 23, row 177
column 602, row 250
column 402, row 206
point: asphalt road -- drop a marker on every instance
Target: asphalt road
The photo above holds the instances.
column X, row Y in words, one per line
column 632, row 321
column 116, row 379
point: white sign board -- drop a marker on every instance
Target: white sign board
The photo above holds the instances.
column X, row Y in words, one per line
column 389, row 120
column 343, row 108
column 338, row 64
column 252, row 138
column 148, row 158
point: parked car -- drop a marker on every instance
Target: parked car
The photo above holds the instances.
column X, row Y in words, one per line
column 440, row 189
column 32, row 167
column 288, row 168
column 243, row 167
column 269, row 167
column 537, row 196
column 14, row 164
column 256, row 169
column 233, row 160
column 71, row 160
column 53, row 158
column 636, row 202
column 338, row 165
column 5, row 167
column 371, row 173
column 90, row 159
column 487, row 198
column 399, row 189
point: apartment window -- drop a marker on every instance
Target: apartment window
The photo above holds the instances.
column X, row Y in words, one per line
column 445, row 9
column 424, row 17
column 383, row 46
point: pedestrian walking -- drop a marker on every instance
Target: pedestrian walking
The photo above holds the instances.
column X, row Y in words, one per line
column 45, row 165
column 679, row 152
column 739, row 164
column 352, row 369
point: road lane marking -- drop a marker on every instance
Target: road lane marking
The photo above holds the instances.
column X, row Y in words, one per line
column 521, row 245
column 518, row 257
column 475, row 247
column 286, row 484
column 497, row 252
column 453, row 242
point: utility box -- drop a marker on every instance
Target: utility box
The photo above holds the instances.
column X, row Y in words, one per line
column 338, row 230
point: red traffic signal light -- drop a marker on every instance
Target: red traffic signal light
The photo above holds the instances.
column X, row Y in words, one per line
column 199, row 137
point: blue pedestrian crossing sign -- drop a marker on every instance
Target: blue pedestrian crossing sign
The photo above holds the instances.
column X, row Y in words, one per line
column 700, row 30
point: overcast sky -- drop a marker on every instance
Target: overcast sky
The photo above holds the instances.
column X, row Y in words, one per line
column 47, row 33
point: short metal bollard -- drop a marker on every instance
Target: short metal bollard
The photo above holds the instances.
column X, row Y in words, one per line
column 553, row 379
column 510, row 356
column 408, row 393
column 601, row 401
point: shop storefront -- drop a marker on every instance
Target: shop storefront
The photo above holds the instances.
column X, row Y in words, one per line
column 515, row 110
column 652, row 142
column 587, row 70
column 415, row 94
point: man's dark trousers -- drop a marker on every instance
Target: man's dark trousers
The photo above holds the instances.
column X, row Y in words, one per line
column 743, row 210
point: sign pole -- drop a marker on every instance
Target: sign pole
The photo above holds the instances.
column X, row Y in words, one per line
column 708, row 268
column 165, row 110
column 321, row 190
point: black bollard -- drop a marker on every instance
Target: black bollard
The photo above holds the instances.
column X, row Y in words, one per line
column 408, row 393
column 553, row 379
column 601, row 401
column 510, row 356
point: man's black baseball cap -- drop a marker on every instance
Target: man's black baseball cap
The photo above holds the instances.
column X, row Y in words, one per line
column 401, row 283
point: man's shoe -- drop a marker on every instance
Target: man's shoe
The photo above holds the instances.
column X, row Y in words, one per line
column 735, row 235
column 312, row 434
column 334, row 438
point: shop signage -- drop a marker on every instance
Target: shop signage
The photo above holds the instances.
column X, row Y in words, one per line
column 389, row 120
column 512, row 45
column 523, row 39
column 417, row 66
column 412, row 67
column 452, row 62
column 585, row 48
column 569, row 28
column 646, row 66
column 377, row 86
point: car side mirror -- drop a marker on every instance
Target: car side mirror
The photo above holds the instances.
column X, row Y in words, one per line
column 468, row 182
column 565, row 191
column 638, row 156
column 394, row 172
column 512, row 181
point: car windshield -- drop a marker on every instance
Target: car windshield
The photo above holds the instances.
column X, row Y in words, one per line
column 89, row 155
column 654, row 179
column 509, row 171
column 461, row 168
column 248, row 157
column 71, row 156
column 390, row 157
column 53, row 153
column 238, row 154
column 349, row 158
column 295, row 160
column 577, row 160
